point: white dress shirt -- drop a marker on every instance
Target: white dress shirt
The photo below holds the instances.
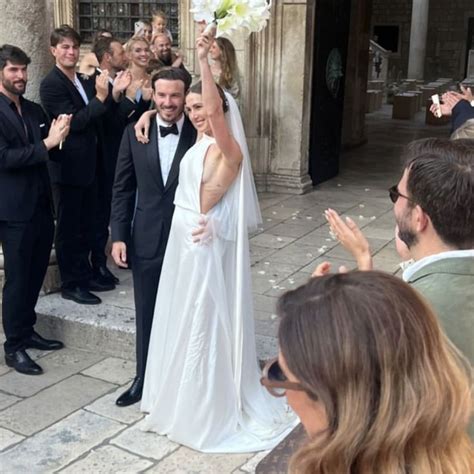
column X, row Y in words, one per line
column 167, row 146
column 80, row 89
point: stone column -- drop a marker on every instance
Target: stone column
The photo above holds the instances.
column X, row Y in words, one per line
column 418, row 36
column 27, row 24
column 63, row 13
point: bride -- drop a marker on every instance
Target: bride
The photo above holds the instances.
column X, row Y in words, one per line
column 201, row 384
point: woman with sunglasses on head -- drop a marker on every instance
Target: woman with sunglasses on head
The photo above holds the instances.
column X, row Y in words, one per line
column 376, row 384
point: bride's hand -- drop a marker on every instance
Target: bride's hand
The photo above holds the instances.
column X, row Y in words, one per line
column 142, row 127
column 203, row 44
column 203, row 234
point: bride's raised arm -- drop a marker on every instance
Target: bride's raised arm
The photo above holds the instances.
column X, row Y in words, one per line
column 213, row 104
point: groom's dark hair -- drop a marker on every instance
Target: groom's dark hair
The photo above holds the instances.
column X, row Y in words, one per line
column 172, row 74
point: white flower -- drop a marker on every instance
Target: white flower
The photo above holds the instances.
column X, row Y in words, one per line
column 231, row 15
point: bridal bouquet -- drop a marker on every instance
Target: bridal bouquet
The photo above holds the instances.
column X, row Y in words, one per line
column 231, row 15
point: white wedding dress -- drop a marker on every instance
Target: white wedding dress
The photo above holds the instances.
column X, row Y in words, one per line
column 202, row 385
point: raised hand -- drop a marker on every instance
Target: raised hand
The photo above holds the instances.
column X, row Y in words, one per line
column 203, row 44
column 102, row 85
column 324, row 268
column 351, row 238
column 466, row 93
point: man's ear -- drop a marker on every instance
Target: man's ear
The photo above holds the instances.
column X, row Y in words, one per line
column 422, row 219
column 52, row 50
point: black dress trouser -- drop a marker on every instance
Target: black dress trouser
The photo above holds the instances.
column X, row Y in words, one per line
column 75, row 212
column 26, row 251
column 146, row 277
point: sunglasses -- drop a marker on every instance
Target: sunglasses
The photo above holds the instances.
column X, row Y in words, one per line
column 275, row 381
column 395, row 194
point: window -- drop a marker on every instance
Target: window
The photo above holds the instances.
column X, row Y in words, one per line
column 120, row 17
column 387, row 36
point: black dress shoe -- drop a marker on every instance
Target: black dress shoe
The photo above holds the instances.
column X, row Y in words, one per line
column 99, row 283
column 132, row 395
column 35, row 341
column 80, row 295
column 21, row 362
column 105, row 274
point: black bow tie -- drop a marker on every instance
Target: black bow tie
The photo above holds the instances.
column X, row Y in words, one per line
column 164, row 131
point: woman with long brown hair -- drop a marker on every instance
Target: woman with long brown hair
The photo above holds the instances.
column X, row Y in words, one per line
column 224, row 66
column 376, row 384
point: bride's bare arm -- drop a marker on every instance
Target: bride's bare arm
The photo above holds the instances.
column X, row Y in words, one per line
column 213, row 104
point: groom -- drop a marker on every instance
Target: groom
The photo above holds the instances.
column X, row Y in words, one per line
column 146, row 178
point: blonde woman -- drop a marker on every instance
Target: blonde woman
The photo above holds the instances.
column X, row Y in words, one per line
column 376, row 384
column 139, row 54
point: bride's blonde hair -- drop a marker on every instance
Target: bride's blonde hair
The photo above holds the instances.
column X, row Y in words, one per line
column 396, row 392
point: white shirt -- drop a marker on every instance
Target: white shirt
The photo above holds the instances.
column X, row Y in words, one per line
column 80, row 89
column 167, row 146
column 413, row 268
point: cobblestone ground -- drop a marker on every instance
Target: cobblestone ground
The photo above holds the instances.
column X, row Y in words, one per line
column 66, row 420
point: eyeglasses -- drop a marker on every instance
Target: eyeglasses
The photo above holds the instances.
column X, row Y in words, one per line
column 395, row 194
column 275, row 381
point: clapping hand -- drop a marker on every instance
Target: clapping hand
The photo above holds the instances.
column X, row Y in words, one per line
column 132, row 89
column 351, row 237
column 102, row 85
column 58, row 131
column 122, row 81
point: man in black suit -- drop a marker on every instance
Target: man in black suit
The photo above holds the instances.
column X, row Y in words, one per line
column 146, row 179
column 111, row 58
column 26, row 221
column 73, row 168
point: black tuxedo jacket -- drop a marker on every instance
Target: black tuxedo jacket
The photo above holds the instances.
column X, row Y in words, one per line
column 111, row 126
column 75, row 164
column 138, row 178
column 23, row 171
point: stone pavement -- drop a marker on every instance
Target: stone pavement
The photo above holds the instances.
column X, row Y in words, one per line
column 66, row 420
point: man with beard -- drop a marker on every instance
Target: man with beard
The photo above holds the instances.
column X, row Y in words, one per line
column 164, row 56
column 110, row 126
column 145, row 183
column 26, row 220
column 434, row 212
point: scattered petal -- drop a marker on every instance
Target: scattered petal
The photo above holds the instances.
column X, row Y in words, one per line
column 373, row 218
column 274, row 213
column 266, row 263
column 274, row 316
column 261, row 272
column 361, row 206
column 309, row 254
column 122, row 292
column 271, row 281
column 279, row 239
column 367, row 189
column 361, row 218
column 269, row 220
column 309, row 218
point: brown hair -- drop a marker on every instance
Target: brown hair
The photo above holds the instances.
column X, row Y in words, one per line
column 396, row 394
column 197, row 89
column 441, row 181
column 230, row 70
column 60, row 34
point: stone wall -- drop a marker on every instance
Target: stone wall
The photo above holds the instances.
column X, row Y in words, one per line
column 447, row 35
